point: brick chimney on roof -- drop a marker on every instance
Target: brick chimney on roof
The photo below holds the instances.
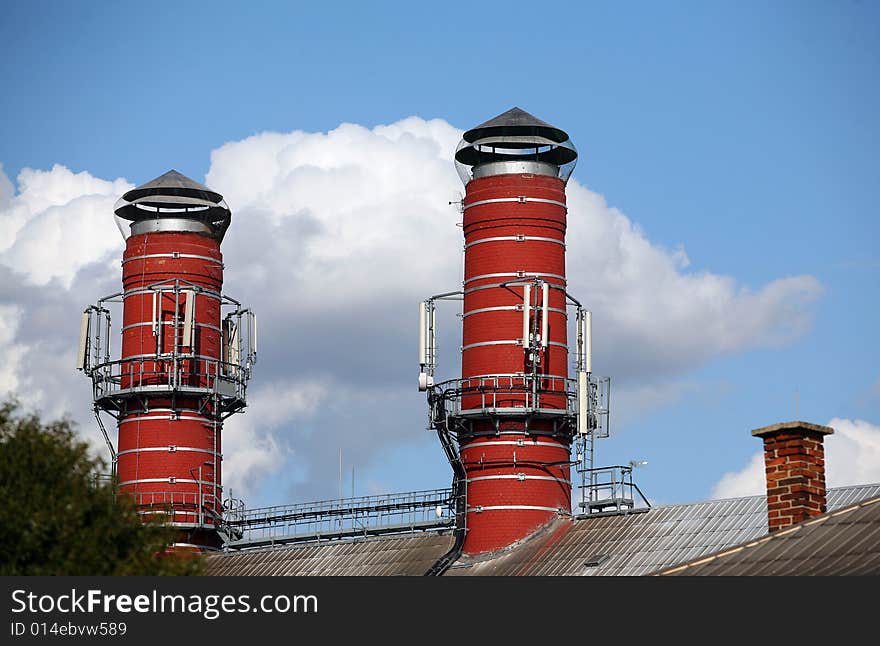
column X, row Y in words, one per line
column 794, row 460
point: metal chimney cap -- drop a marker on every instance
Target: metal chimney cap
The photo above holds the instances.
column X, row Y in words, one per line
column 168, row 202
column 515, row 122
column 175, row 184
column 515, row 142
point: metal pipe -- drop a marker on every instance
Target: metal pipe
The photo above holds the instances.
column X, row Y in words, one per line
column 254, row 319
column 188, row 311
column 583, row 403
column 437, row 297
column 82, row 353
column 432, row 339
column 106, row 336
column 201, row 500
column 574, row 301
column 113, row 456
column 422, row 337
column 588, row 341
column 160, row 330
column 545, row 311
column 153, row 315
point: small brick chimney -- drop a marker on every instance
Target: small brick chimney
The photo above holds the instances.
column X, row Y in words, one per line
column 794, row 461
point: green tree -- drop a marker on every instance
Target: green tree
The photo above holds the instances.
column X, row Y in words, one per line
column 55, row 519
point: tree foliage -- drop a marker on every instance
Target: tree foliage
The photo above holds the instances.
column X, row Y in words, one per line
column 57, row 519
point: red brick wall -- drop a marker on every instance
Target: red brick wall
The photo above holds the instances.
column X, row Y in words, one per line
column 518, row 474
column 795, row 467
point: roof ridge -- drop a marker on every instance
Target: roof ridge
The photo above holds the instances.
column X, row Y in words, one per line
column 866, row 485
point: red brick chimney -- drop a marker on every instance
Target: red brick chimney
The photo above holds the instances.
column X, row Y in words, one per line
column 794, row 460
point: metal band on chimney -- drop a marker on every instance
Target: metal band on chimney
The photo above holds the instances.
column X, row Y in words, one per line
column 520, row 200
column 482, row 508
column 520, row 478
column 141, row 418
column 168, row 480
column 516, row 274
column 205, row 326
column 166, row 289
column 170, row 449
column 517, row 238
column 510, row 308
column 208, row 259
column 555, row 445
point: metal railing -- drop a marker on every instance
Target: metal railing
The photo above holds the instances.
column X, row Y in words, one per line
column 610, row 490
column 180, row 506
column 510, row 394
column 343, row 518
column 183, row 373
column 174, row 363
column 188, row 509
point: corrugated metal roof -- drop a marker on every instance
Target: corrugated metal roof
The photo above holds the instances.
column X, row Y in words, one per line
column 628, row 545
column 641, row 543
column 384, row 556
column 841, row 542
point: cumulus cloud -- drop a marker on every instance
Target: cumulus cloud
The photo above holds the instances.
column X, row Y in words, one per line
column 852, row 456
column 57, row 224
column 7, row 190
column 10, row 315
column 651, row 315
column 252, row 444
column 747, row 482
column 335, row 237
column 39, row 327
column 353, row 217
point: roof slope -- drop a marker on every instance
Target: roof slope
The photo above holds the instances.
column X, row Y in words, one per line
column 842, row 542
column 641, row 543
column 384, row 556
column 629, row 545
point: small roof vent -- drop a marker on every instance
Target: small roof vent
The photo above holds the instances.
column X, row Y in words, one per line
column 595, row 560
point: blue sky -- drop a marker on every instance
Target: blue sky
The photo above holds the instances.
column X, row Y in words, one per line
column 743, row 132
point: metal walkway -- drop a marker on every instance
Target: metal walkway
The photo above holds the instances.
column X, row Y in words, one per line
column 341, row 518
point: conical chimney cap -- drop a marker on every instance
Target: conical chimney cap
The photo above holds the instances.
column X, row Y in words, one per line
column 516, row 122
column 517, row 136
column 175, row 202
column 176, row 184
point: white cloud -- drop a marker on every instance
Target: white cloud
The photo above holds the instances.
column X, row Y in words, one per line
column 335, row 237
column 747, row 482
column 253, row 445
column 10, row 316
column 7, row 190
column 852, row 456
column 652, row 315
column 57, row 223
column 345, row 218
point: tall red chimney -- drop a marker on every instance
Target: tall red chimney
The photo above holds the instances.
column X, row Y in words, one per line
column 187, row 352
column 513, row 414
column 794, row 460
